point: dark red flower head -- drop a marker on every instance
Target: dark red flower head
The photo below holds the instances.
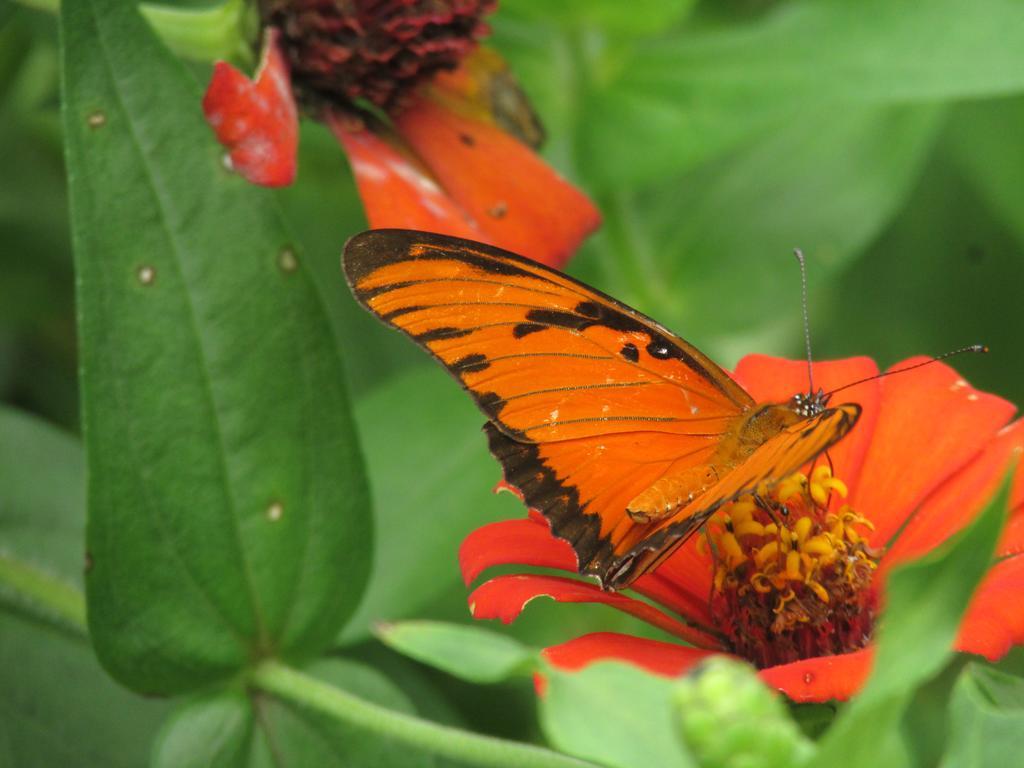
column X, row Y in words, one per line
column 342, row 52
column 436, row 129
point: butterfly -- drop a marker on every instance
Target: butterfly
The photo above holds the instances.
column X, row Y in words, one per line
column 623, row 435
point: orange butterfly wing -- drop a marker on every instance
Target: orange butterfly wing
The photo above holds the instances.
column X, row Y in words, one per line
column 590, row 402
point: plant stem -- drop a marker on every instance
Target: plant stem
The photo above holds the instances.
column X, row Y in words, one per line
column 222, row 31
column 42, row 595
column 292, row 686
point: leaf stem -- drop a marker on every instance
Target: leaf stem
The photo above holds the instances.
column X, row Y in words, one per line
column 222, row 31
column 291, row 685
column 41, row 595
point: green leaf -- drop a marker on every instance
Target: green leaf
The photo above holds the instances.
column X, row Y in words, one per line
column 700, row 92
column 431, row 476
column 227, row 508
column 235, row 730
column 986, row 719
column 945, row 269
column 612, row 17
column 467, row 652
column 981, row 136
column 42, row 496
column 711, row 252
column 614, row 714
column 925, row 600
column 218, row 731
column 42, row 522
column 58, row 707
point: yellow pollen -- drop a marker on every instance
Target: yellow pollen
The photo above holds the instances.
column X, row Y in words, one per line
column 731, row 548
column 768, row 551
column 819, row 590
column 792, row 569
column 820, row 546
column 742, row 510
column 749, row 528
column 798, row 556
column 793, row 485
column 802, row 528
column 822, row 484
column 793, row 566
column 784, row 598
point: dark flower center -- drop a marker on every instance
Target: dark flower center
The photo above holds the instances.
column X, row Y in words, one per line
column 792, row 579
column 344, row 53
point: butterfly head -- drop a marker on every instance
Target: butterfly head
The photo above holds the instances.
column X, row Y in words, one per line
column 810, row 403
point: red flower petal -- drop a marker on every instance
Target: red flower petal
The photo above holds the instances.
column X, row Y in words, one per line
column 655, row 656
column 682, row 583
column 514, row 198
column 955, row 503
column 256, row 120
column 770, row 379
column 994, row 621
column 1013, row 536
column 823, row 678
column 931, row 424
column 395, row 190
column 505, row 597
column 529, row 541
column 514, row 542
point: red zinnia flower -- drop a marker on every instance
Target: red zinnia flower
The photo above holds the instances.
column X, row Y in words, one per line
column 434, row 127
column 800, row 602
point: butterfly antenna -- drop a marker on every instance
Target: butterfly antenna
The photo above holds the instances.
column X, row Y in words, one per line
column 975, row 348
column 807, row 320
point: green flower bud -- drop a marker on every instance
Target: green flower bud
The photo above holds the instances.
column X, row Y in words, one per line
column 728, row 718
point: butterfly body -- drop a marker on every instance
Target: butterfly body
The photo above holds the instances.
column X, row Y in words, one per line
column 623, row 435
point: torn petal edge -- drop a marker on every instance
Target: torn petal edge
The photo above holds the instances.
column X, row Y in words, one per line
column 257, row 121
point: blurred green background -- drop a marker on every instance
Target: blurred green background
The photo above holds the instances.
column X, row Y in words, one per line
column 882, row 137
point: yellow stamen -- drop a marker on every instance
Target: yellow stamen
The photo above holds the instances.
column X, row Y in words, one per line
column 741, row 510
column 792, row 486
column 819, row 545
column 793, row 566
column 761, row 554
column 732, row 549
column 802, row 528
column 839, row 487
column 819, row 590
column 819, row 493
column 765, row 553
column 719, row 578
column 786, row 596
column 749, row 528
column 822, row 484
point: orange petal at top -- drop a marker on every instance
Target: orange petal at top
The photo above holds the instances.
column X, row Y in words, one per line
column 395, row 190
column 515, row 199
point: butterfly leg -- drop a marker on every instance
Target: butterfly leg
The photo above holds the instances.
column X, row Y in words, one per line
column 773, row 509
